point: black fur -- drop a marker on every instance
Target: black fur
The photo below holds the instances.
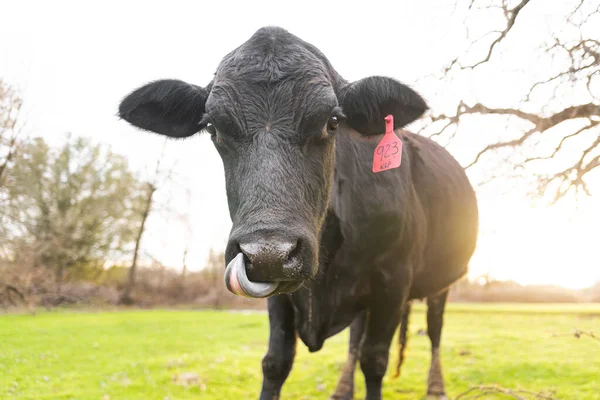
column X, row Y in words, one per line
column 365, row 243
column 368, row 101
column 170, row 107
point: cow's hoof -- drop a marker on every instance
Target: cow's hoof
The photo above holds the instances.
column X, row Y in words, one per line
column 436, row 397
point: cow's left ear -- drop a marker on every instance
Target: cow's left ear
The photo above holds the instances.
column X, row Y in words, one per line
column 368, row 101
column 170, row 107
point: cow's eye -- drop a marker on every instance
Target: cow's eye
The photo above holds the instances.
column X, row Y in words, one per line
column 210, row 128
column 214, row 135
column 333, row 123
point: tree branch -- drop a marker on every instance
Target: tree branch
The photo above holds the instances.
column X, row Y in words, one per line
column 499, row 145
column 511, row 18
column 578, row 333
column 541, row 124
column 563, row 140
column 574, row 55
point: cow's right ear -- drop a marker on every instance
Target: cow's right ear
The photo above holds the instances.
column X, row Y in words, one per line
column 368, row 101
column 170, row 107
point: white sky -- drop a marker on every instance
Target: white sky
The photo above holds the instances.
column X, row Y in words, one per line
column 75, row 60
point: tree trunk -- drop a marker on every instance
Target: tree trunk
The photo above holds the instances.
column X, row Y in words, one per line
column 218, row 291
column 184, row 269
column 10, row 155
column 126, row 296
column 9, row 122
column 60, row 272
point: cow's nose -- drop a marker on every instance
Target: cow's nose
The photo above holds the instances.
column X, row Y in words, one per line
column 272, row 260
column 271, row 253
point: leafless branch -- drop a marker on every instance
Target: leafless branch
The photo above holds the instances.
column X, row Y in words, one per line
column 574, row 175
column 570, row 178
column 578, row 58
column 483, row 391
column 540, row 123
column 10, row 110
column 498, row 145
column 563, row 140
column 578, row 333
column 587, row 17
column 546, row 81
column 588, row 83
column 511, row 17
column 570, row 18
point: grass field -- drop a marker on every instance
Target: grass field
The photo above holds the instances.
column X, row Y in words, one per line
column 142, row 354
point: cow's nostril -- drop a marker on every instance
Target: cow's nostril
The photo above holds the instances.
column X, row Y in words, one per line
column 285, row 249
column 295, row 251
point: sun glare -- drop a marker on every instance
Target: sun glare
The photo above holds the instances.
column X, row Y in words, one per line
column 538, row 244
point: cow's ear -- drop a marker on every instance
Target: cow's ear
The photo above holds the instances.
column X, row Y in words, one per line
column 368, row 101
column 170, row 107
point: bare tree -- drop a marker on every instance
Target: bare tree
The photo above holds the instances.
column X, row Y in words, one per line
column 184, row 263
column 185, row 218
column 214, row 273
column 150, row 189
column 159, row 179
column 10, row 109
column 563, row 95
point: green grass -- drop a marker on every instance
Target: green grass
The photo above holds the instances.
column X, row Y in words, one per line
column 137, row 354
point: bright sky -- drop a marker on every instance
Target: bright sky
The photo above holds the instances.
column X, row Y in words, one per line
column 73, row 61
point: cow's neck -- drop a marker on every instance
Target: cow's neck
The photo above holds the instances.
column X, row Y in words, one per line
column 328, row 303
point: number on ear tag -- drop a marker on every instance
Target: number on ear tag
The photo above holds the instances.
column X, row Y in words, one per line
column 388, row 153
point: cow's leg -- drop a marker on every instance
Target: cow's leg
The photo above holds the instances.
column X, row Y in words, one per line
column 277, row 363
column 435, row 319
column 345, row 386
column 384, row 313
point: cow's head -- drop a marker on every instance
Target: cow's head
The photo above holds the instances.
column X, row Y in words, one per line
column 273, row 111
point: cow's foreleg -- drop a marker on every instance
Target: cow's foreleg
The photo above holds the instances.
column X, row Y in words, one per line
column 345, row 386
column 435, row 319
column 277, row 363
column 384, row 315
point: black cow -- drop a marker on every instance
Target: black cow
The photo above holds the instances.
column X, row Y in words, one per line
column 330, row 242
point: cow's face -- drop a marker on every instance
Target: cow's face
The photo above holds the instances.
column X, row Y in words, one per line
column 273, row 110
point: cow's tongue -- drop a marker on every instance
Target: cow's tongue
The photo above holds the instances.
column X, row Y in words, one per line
column 237, row 281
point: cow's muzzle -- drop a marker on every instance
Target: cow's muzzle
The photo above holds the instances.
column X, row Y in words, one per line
column 265, row 263
column 237, row 282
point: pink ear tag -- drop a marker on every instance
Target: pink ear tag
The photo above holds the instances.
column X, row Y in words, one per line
column 388, row 153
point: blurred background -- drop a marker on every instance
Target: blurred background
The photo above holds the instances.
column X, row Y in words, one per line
column 93, row 211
